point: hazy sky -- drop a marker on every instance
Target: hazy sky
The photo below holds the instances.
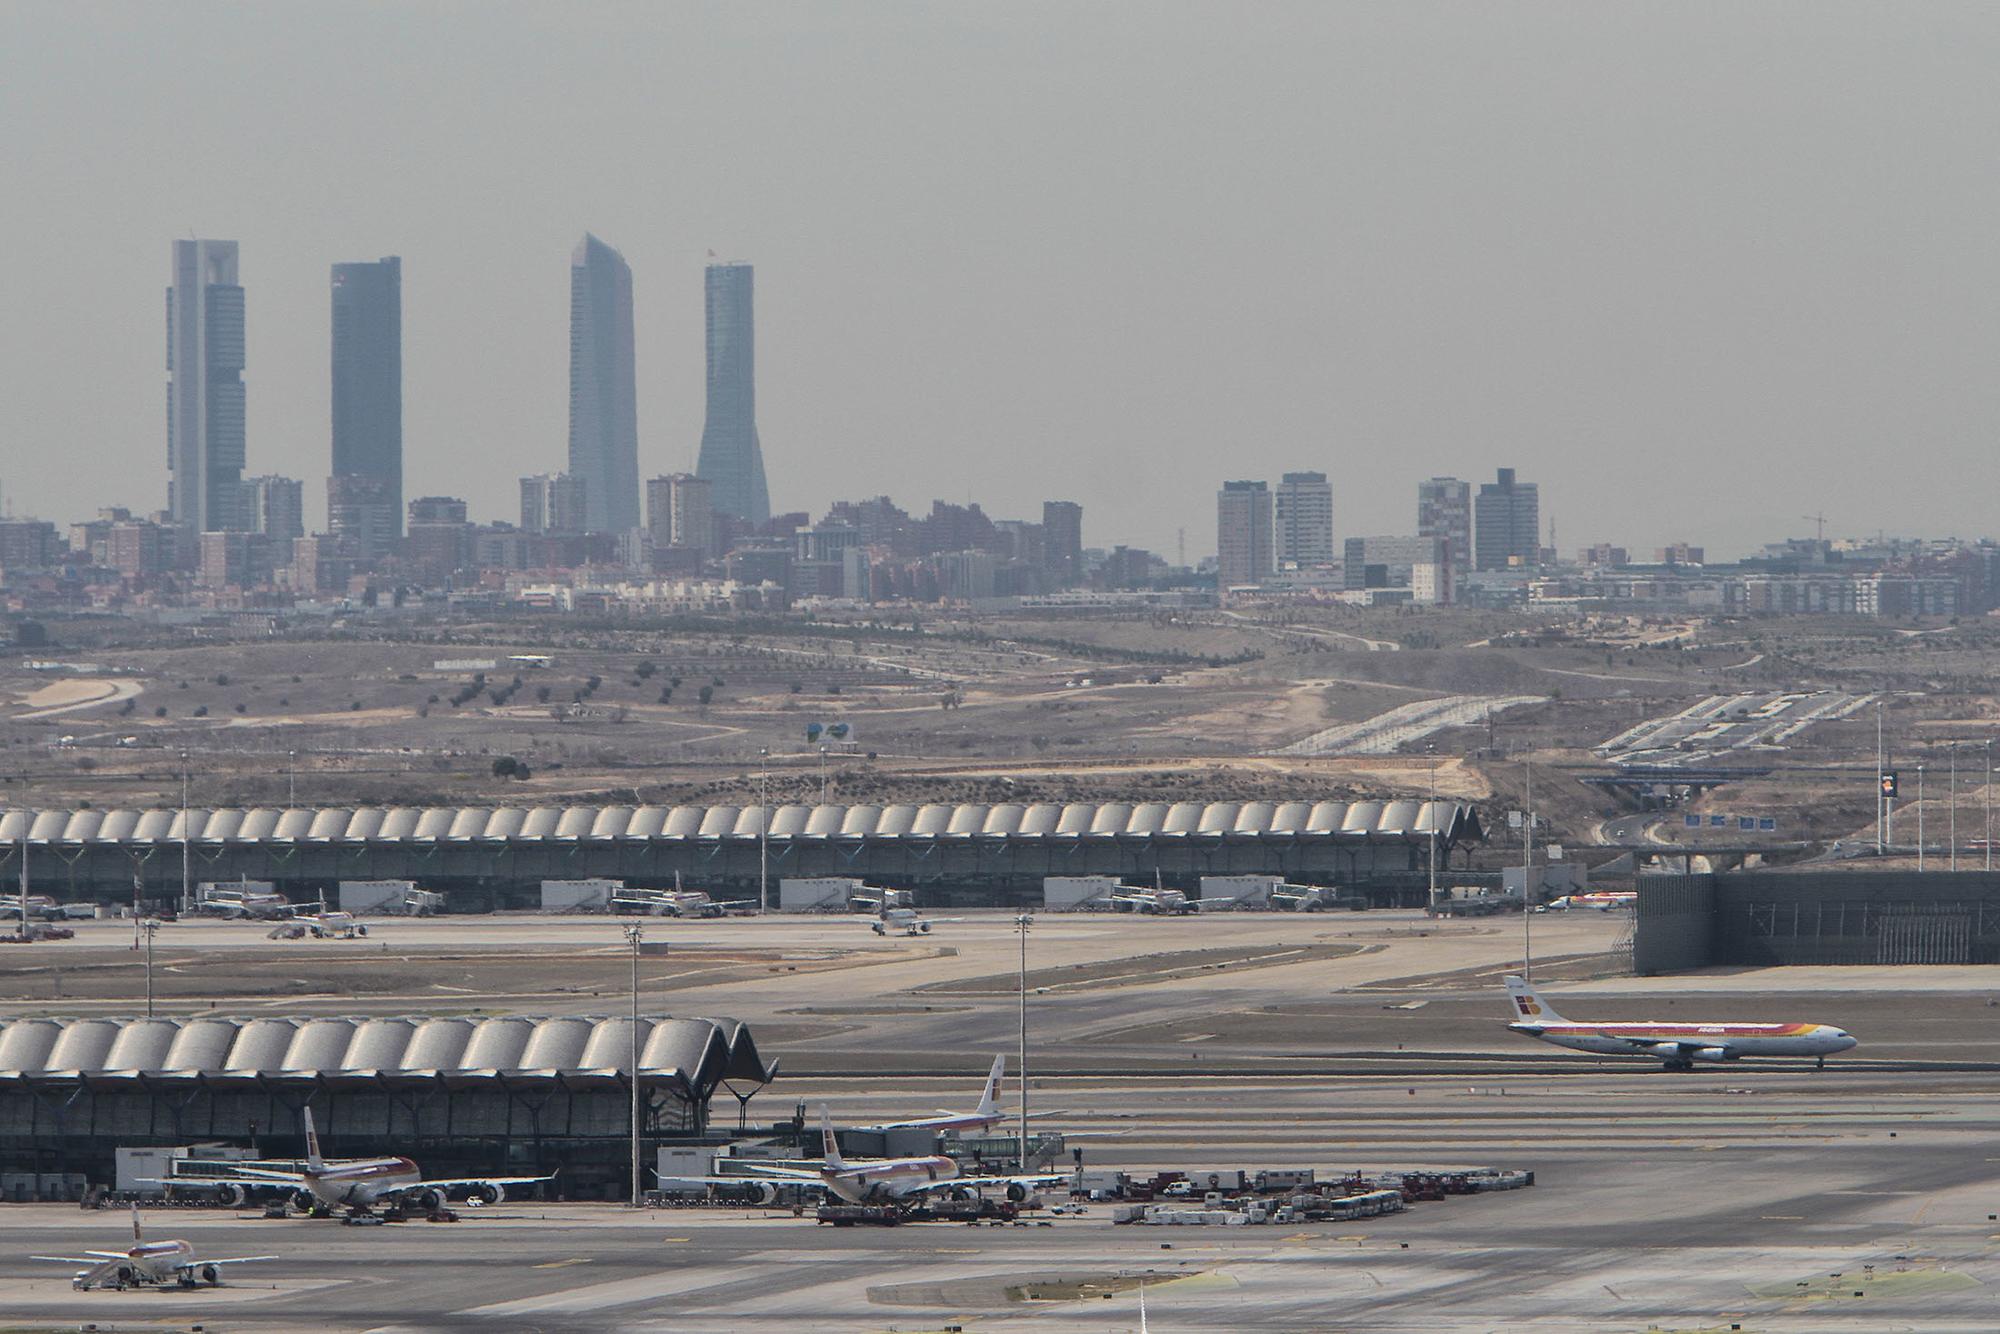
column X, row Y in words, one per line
column 1699, row 270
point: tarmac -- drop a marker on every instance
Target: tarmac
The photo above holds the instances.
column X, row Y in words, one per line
column 1764, row 1195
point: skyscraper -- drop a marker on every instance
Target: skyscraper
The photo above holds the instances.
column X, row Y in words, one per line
column 1062, row 538
column 731, row 457
column 368, row 388
column 603, row 400
column 1242, row 535
column 1444, row 509
column 1510, row 524
column 1303, row 516
column 205, row 436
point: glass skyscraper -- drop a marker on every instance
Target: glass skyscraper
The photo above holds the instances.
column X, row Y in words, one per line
column 368, row 394
column 732, row 460
column 603, row 400
column 205, row 434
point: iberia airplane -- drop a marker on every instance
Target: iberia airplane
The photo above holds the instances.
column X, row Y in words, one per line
column 1677, row 1045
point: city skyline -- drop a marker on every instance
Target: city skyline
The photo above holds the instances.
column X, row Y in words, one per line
column 1480, row 271
column 603, row 387
column 367, row 392
column 732, row 458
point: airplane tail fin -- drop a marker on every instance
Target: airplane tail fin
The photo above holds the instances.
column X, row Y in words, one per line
column 829, row 1146
column 989, row 1103
column 314, row 1163
column 138, row 1229
column 1529, row 1007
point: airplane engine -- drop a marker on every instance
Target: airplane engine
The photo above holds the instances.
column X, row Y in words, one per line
column 210, row 1274
column 923, row 928
column 124, row 1276
column 1713, row 1054
column 962, row 1194
column 764, row 1193
column 304, row 1201
column 1017, row 1191
column 878, row 930
column 489, row 1194
column 231, row 1195
column 430, row 1201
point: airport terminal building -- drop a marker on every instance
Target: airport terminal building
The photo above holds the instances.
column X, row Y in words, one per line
column 964, row 855
column 506, row 1096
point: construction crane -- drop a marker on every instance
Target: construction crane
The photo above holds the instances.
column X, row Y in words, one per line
column 1819, row 519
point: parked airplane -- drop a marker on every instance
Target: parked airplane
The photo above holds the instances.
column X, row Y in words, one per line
column 1163, row 902
column 320, row 925
column 360, row 1185
column 905, row 920
column 1678, row 1045
column 1603, row 900
column 881, row 1180
column 676, row 902
column 157, row 1264
column 239, row 904
column 983, row 1117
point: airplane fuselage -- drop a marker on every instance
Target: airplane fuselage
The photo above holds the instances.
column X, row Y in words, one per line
column 1709, row 1042
column 887, row 1178
column 361, row 1185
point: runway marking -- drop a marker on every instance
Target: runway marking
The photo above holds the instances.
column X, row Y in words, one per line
column 617, row 1292
column 559, row 1264
column 1781, row 1218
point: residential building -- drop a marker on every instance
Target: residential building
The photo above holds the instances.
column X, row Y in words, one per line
column 205, row 432
column 603, row 397
column 276, row 507
column 732, row 458
column 361, row 512
column 554, row 502
column 1303, row 519
column 438, row 509
column 28, row 544
column 1244, row 554
column 368, row 380
column 1444, row 509
column 1508, row 529
column 1420, row 564
column 1062, row 538
column 680, row 510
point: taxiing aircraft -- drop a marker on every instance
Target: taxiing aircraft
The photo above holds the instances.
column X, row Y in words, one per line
column 983, row 1117
column 362, row 1184
column 320, row 925
column 156, row 1264
column 1677, row 1045
column 1161, row 902
column 882, row 1180
column 1603, row 900
column 905, row 920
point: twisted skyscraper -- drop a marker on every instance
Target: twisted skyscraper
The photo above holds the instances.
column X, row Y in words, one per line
column 731, row 459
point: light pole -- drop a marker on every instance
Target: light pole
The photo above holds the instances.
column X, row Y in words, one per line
column 291, row 779
column 187, row 873
column 1987, row 786
column 763, row 831
column 1920, row 817
column 1527, row 873
column 1431, row 814
column 1951, row 810
column 633, row 934
column 151, row 927
column 822, row 775
column 1023, row 922
column 1881, row 787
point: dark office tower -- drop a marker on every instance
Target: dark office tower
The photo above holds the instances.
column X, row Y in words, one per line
column 1444, row 509
column 1510, row 517
column 731, row 459
column 1062, row 537
column 368, row 386
column 205, row 448
column 603, row 402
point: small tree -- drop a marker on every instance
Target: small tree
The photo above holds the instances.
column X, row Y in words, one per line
column 707, row 694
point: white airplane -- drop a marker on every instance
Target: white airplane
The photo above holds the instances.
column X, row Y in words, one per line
column 237, row 904
column 881, row 1180
column 907, row 921
column 360, row 1185
column 321, row 925
column 1160, row 902
column 676, row 902
column 1678, row 1045
column 1602, row 900
column 156, row 1264
column 983, row 1117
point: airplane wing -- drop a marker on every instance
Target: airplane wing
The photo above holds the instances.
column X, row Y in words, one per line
column 1030, row 1182
column 1656, row 1045
column 777, row 1178
column 226, row 1260
column 447, row 1183
column 254, row 1175
column 94, row 1257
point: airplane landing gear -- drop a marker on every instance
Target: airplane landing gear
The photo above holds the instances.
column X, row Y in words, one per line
column 1821, row 1065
